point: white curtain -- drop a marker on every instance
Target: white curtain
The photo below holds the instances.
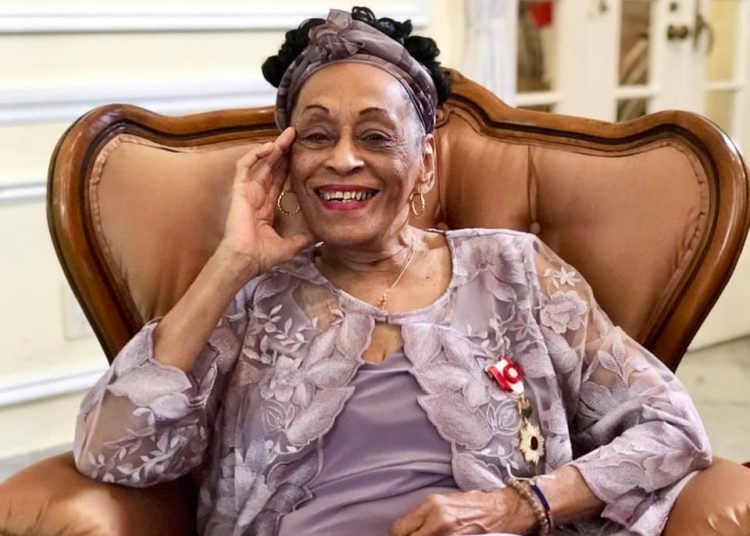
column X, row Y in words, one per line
column 490, row 48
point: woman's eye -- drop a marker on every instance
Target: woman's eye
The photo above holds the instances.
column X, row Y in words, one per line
column 376, row 137
column 316, row 137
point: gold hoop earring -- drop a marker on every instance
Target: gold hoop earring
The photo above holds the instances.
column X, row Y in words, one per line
column 422, row 205
column 279, row 202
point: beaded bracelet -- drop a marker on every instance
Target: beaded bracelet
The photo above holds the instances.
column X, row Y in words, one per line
column 526, row 493
column 545, row 504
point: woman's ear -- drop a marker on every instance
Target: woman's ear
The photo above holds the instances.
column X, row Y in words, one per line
column 429, row 164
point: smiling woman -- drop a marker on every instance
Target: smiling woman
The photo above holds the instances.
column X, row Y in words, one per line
column 358, row 138
column 366, row 376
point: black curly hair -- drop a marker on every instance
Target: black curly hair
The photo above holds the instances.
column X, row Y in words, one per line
column 422, row 49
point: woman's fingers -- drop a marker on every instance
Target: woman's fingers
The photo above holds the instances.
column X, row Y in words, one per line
column 286, row 138
column 243, row 166
column 279, row 160
column 301, row 241
column 280, row 182
column 271, row 167
column 261, row 173
column 280, row 148
column 252, row 156
column 409, row 523
column 430, row 528
column 261, row 169
column 268, row 154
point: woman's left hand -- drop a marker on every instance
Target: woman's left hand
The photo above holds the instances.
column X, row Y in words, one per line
column 471, row 512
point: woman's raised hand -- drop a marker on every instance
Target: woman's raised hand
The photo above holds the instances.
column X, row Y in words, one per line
column 249, row 234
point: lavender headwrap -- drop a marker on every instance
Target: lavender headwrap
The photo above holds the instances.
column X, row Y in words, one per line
column 342, row 39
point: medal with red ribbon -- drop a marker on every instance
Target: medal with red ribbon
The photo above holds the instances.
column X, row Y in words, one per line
column 509, row 377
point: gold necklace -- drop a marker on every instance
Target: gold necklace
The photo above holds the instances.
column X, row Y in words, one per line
column 384, row 296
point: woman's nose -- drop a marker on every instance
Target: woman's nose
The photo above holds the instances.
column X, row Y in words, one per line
column 344, row 157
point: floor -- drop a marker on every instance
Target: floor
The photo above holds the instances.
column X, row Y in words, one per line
column 718, row 378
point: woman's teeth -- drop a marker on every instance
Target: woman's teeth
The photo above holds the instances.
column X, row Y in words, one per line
column 346, row 196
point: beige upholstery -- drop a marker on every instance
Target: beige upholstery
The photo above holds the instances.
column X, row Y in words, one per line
column 604, row 213
column 159, row 214
column 160, row 210
column 52, row 499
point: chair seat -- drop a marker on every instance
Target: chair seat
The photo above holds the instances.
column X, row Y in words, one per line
column 51, row 498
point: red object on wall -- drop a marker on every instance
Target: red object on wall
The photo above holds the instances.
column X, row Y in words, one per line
column 542, row 14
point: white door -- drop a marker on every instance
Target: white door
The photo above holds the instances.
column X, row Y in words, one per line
column 618, row 59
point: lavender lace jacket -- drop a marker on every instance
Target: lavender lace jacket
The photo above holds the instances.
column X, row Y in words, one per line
column 276, row 372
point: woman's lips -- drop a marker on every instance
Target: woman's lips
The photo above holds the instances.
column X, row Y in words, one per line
column 344, row 196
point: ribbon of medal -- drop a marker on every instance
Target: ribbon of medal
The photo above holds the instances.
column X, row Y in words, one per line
column 509, row 377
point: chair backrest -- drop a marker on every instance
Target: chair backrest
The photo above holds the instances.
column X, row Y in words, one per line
column 653, row 212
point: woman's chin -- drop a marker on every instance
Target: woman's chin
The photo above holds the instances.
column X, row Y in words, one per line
column 353, row 227
column 346, row 236
column 344, row 242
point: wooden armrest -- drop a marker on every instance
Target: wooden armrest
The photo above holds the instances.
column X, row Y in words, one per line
column 715, row 502
column 51, row 498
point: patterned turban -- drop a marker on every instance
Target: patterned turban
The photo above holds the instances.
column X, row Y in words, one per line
column 342, row 39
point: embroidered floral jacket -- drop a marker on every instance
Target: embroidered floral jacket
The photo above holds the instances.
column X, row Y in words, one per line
column 276, row 372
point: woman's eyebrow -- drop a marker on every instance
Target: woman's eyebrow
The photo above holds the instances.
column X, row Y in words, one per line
column 379, row 111
column 319, row 107
column 314, row 110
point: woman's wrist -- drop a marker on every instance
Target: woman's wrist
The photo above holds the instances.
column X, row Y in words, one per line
column 181, row 334
column 569, row 497
column 521, row 518
column 237, row 267
column 529, row 514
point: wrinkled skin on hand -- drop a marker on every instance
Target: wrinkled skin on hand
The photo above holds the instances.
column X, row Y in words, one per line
column 471, row 512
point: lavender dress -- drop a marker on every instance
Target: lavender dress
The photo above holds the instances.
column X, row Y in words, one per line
column 291, row 432
column 381, row 459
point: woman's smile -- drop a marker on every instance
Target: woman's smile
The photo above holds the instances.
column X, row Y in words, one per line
column 344, row 197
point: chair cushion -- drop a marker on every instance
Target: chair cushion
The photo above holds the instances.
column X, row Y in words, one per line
column 629, row 220
column 715, row 502
column 158, row 213
column 158, row 210
column 52, row 498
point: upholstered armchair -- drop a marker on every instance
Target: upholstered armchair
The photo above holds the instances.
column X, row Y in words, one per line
column 653, row 212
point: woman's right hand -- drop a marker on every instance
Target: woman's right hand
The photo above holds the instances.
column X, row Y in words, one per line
column 249, row 235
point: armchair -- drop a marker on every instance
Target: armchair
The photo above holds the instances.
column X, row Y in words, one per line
column 653, row 212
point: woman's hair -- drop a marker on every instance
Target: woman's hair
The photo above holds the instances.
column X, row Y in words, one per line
column 422, row 49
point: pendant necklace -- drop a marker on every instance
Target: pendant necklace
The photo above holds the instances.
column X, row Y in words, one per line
column 384, row 296
column 509, row 377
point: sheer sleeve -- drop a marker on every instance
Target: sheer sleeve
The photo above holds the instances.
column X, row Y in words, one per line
column 636, row 434
column 144, row 422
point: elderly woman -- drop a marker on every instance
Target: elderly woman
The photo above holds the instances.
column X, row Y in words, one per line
column 368, row 377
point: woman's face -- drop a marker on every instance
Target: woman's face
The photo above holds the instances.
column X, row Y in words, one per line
column 359, row 154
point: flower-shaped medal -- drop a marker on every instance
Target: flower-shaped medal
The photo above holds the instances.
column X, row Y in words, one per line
column 509, row 378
